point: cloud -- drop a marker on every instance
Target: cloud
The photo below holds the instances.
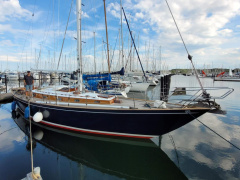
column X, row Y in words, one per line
column 139, row 15
column 226, row 32
column 204, row 27
column 8, row 28
column 191, row 19
column 12, row 9
column 9, row 58
column 85, row 15
column 5, row 28
column 146, row 30
column 7, row 43
column 114, row 9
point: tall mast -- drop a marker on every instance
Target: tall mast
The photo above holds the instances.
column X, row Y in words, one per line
column 119, row 61
column 138, row 50
column 102, row 55
column 79, row 43
column 95, row 68
column 160, row 60
column 121, row 33
column 106, row 36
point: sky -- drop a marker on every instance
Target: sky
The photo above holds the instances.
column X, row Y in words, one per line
column 32, row 34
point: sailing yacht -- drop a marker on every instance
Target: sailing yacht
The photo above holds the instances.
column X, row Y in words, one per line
column 73, row 109
column 100, row 154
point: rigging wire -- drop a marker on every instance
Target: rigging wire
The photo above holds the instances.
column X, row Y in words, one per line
column 114, row 51
column 64, row 35
column 175, row 148
column 134, row 44
column 189, row 56
column 130, row 52
column 178, row 29
column 215, row 132
column 27, row 35
column 46, row 32
column 45, row 29
column 8, row 130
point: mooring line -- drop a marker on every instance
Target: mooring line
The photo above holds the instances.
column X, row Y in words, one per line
column 8, row 130
column 216, row 133
column 175, row 148
column 31, row 146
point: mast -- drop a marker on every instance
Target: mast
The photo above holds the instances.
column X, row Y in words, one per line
column 119, row 61
column 121, row 33
column 79, row 41
column 102, row 55
column 138, row 51
column 65, row 62
column 106, row 35
column 160, row 60
column 95, row 68
column 154, row 63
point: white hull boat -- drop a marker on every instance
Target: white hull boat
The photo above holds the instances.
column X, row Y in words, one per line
column 12, row 76
column 35, row 76
column 153, row 81
column 137, row 87
column 66, row 79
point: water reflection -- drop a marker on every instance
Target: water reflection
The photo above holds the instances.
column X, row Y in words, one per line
column 203, row 154
column 100, row 157
column 9, row 132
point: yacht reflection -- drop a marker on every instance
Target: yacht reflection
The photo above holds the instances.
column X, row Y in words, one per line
column 124, row 158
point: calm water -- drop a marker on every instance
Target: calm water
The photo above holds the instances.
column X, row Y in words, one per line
column 190, row 152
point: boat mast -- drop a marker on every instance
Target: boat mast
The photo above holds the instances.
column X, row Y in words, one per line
column 160, row 60
column 79, row 44
column 106, row 36
column 121, row 34
column 95, row 68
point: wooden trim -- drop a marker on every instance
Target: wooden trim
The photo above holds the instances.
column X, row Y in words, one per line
column 70, row 99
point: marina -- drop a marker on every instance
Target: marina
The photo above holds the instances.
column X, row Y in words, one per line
column 119, row 90
column 186, row 151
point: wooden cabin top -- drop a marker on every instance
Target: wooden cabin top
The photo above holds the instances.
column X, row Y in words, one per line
column 90, row 99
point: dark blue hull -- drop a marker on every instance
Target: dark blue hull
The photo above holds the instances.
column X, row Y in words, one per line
column 126, row 122
column 125, row 158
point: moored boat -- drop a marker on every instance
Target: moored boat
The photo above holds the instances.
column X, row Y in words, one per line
column 119, row 157
column 106, row 114
column 89, row 112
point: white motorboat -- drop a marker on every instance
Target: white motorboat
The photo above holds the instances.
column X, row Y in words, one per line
column 12, row 76
column 66, row 79
column 35, row 75
column 136, row 83
column 152, row 80
column 54, row 75
column 45, row 76
column 138, row 87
